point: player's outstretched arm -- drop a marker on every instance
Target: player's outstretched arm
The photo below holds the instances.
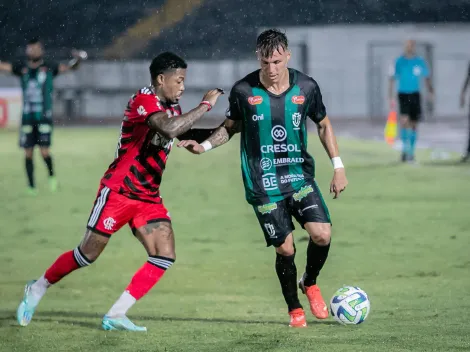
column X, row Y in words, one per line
column 177, row 125
column 328, row 139
column 221, row 135
column 6, row 67
column 78, row 57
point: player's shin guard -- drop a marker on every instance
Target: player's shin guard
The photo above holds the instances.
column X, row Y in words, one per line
column 142, row 281
column 29, row 165
column 287, row 274
column 65, row 264
column 148, row 275
column 316, row 258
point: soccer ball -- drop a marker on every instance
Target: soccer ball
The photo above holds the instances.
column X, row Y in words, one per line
column 350, row 305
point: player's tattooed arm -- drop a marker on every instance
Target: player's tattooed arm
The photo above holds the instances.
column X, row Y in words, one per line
column 224, row 133
column 177, row 125
column 6, row 67
column 220, row 136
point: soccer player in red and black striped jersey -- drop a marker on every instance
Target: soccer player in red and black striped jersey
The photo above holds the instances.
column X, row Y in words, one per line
column 129, row 192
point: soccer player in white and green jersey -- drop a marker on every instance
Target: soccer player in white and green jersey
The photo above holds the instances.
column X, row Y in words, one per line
column 36, row 77
column 270, row 107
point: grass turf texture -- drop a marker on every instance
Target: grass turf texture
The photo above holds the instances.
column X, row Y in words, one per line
column 400, row 233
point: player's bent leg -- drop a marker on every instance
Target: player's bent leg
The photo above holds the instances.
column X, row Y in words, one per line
column 53, row 184
column 317, row 253
column 83, row 255
column 159, row 242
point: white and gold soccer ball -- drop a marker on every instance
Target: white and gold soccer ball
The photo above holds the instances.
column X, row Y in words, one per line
column 350, row 305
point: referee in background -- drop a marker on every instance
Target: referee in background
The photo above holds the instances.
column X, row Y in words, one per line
column 409, row 69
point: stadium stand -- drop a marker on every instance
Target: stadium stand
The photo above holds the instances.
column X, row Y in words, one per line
column 203, row 29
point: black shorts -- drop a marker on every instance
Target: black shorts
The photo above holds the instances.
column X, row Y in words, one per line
column 410, row 104
column 307, row 205
column 35, row 134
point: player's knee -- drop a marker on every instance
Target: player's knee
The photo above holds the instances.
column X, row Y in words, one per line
column 28, row 153
column 162, row 252
column 45, row 152
column 286, row 249
column 92, row 245
column 321, row 236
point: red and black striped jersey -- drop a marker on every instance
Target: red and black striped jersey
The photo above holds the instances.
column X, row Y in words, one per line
column 141, row 153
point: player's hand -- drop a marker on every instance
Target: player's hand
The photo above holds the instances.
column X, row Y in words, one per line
column 339, row 182
column 192, row 146
column 79, row 54
column 212, row 96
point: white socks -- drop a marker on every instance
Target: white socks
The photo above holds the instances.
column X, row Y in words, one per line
column 39, row 288
column 122, row 305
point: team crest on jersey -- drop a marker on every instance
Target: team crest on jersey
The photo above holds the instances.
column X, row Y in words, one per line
column 298, row 99
column 296, row 118
column 256, row 100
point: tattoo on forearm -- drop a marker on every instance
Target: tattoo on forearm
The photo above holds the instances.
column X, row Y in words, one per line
column 219, row 137
column 223, row 134
column 177, row 125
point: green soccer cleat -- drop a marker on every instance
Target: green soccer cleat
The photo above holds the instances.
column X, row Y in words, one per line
column 121, row 324
column 31, row 191
column 25, row 310
column 53, row 184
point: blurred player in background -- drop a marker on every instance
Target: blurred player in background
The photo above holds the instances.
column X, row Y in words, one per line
column 270, row 108
column 36, row 78
column 129, row 192
column 408, row 71
column 466, row 156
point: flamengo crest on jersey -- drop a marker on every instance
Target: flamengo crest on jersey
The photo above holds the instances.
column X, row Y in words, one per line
column 141, row 153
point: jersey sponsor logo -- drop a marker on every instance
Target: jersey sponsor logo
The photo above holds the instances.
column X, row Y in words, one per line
column 258, row 117
column 266, row 164
column 280, row 148
column 304, row 191
column 298, row 99
column 296, row 118
column 267, row 208
column 256, row 100
column 288, row 161
column 269, row 181
column 279, row 133
column 141, row 111
column 291, row 178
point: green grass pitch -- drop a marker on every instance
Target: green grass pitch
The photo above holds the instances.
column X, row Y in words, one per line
column 400, row 232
